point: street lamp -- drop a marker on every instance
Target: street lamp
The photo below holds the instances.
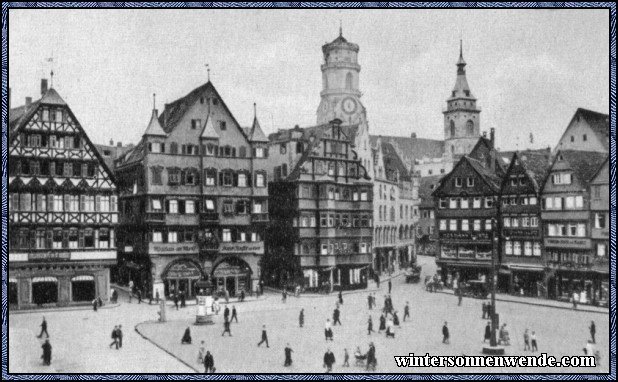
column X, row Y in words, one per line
column 496, row 248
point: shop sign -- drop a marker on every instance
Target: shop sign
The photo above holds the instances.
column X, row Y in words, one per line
column 521, row 232
column 172, row 249
column 183, row 270
column 49, row 256
column 465, row 236
column 256, row 247
column 229, row 270
column 567, row 243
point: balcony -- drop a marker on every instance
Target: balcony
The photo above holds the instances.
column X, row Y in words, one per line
column 208, row 218
column 154, row 217
column 259, row 218
column 357, row 258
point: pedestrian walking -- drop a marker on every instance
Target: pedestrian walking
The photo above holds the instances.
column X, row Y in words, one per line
column 226, row 328
column 264, row 337
column 234, row 314
column 389, row 329
column 382, row 323
column 371, row 357
column 340, row 297
column 43, row 329
column 459, row 296
column 445, row 334
column 139, row 296
column 227, row 296
column 336, row 314
column 369, row 326
column 261, row 287
column 593, row 332
column 130, row 290
column 533, row 341
column 186, row 338
column 209, row 363
column 176, row 301
column 242, row 295
column 284, row 295
column 95, row 304
column 328, row 331
column 114, row 337
column 526, row 340
column 395, row 319
column 346, row 358
column 183, row 299
column 487, row 332
column 47, row 352
column 301, row 318
column 574, row 298
column 226, row 313
column 329, row 360
column 390, row 286
column 120, row 336
column 484, row 310
column 157, row 296
column 288, row 355
column 215, row 306
column 406, row 311
column 369, row 304
column 200, row 353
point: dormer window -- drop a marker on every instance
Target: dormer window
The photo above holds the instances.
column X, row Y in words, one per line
column 585, row 137
column 259, row 152
column 222, row 125
column 195, row 124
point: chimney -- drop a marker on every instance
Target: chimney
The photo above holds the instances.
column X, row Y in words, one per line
column 43, row 86
column 492, row 136
column 118, row 144
column 413, row 135
column 111, row 142
column 28, row 102
column 484, row 134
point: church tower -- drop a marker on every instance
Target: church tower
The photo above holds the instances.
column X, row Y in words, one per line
column 462, row 118
column 340, row 93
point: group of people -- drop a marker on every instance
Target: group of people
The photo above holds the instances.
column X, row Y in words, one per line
column 116, row 337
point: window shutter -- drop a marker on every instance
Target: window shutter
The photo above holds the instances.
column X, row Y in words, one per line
column 66, row 203
column 82, row 203
column 266, row 152
column 235, row 180
column 32, row 234
column 184, row 149
column 221, row 178
column 249, row 182
column 50, row 238
column 254, row 152
column 97, row 203
column 81, row 238
column 196, row 174
column 167, row 206
column 65, row 238
column 181, row 206
column 163, row 147
column 114, row 204
column 205, row 176
column 233, row 152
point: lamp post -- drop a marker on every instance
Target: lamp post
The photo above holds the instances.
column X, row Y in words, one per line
column 493, row 347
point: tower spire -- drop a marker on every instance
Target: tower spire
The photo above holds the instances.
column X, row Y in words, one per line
column 154, row 101
column 254, row 110
column 460, row 48
column 340, row 29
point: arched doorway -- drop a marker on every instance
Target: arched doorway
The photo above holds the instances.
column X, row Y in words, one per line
column 44, row 290
column 233, row 275
column 83, row 288
column 180, row 276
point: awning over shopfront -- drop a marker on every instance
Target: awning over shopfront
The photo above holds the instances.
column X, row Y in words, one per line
column 83, row 278
column 12, row 280
column 46, row 279
column 526, row 267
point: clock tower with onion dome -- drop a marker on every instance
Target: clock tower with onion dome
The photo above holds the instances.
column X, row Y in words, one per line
column 340, row 73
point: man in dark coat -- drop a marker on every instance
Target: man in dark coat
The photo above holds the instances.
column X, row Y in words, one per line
column 288, row 355
column 371, row 357
column 395, row 319
column 336, row 314
column 183, row 301
column 329, row 360
column 445, row 334
column 484, row 310
column 487, row 332
column 47, row 352
column 186, row 338
column 301, row 318
column 369, row 301
column 264, row 337
column 234, row 314
column 226, row 328
column 114, row 337
column 406, row 311
column 369, row 326
column 209, row 363
column 226, row 313
column 390, row 286
column 139, row 296
column 382, row 323
column 340, row 297
column 176, row 300
column 43, row 329
column 95, row 303
column 120, row 335
column 593, row 331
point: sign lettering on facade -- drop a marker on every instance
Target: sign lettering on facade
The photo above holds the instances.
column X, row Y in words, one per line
column 172, row 249
column 465, row 236
column 257, row 248
column 567, row 243
column 49, row 256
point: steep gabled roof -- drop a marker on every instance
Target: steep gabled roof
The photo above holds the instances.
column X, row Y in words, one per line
column 490, row 177
column 154, row 127
column 393, row 162
column 536, row 164
column 52, row 97
column 598, row 122
column 412, row 148
column 174, row 111
column 584, row 164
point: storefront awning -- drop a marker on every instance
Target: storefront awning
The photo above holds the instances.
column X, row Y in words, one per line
column 12, row 280
column 47, row 279
column 524, row 267
column 83, row 278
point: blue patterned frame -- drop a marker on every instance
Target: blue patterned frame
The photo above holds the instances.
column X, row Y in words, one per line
column 612, row 76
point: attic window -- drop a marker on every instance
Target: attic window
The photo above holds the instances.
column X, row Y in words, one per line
column 107, row 153
column 572, row 138
column 585, row 137
column 202, row 100
column 215, row 101
column 222, row 125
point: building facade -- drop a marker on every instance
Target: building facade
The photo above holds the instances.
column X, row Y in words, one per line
column 321, row 197
column 572, row 261
column 62, row 208
column 587, row 131
column 426, row 234
column 599, row 222
column 395, row 210
column 522, row 259
column 466, row 212
column 194, row 199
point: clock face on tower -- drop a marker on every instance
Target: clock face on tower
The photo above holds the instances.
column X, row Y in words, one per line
column 349, row 105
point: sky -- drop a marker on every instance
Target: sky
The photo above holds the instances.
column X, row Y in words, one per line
column 529, row 69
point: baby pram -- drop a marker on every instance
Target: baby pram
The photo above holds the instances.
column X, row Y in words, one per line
column 360, row 359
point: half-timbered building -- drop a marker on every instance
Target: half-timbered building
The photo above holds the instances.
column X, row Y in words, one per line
column 62, row 208
column 193, row 199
